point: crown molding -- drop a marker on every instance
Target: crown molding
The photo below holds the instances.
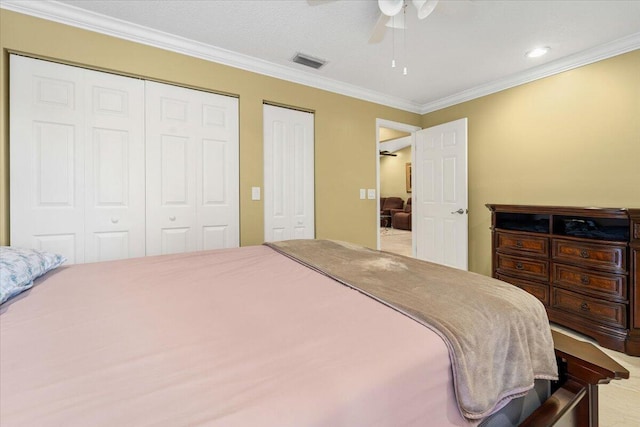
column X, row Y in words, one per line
column 80, row 18
column 589, row 56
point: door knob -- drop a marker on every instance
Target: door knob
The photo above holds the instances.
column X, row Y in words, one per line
column 459, row 211
column 114, row 219
column 172, row 218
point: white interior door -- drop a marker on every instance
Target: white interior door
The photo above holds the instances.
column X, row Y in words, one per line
column 192, row 170
column 47, row 157
column 114, row 167
column 77, row 161
column 289, row 205
column 440, row 204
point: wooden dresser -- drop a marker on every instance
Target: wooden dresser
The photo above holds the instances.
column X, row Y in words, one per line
column 582, row 263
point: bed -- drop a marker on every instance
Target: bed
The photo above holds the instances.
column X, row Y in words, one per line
column 273, row 336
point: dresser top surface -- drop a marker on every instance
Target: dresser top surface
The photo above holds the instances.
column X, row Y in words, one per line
column 564, row 210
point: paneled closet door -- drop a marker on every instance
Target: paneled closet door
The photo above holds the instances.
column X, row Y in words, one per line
column 114, row 167
column 77, row 161
column 47, row 157
column 289, row 197
column 192, row 170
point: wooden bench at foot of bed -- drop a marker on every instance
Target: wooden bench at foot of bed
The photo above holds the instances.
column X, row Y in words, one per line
column 574, row 399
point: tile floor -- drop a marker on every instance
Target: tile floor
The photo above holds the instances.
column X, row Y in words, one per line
column 396, row 241
column 619, row 400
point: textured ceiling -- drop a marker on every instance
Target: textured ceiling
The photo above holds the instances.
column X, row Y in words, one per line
column 464, row 44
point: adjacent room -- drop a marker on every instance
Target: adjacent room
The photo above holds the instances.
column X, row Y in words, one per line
column 190, row 192
column 395, row 192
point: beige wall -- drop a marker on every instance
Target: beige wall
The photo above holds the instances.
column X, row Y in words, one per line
column 345, row 128
column 393, row 174
column 569, row 139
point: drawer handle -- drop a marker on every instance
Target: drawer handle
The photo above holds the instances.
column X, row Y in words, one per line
column 518, row 244
column 584, row 253
column 584, row 306
column 584, row 279
column 519, row 266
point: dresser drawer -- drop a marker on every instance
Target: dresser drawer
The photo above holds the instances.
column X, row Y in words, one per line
column 523, row 244
column 526, row 268
column 609, row 257
column 599, row 284
column 536, row 289
column 591, row 308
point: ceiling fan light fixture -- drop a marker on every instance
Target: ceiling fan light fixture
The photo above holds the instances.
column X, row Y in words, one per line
column 424, row 7
column 537, row 52
column 390, row 7
column 396, row 22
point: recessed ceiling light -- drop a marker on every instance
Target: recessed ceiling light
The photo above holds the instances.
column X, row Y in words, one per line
column 537, row 52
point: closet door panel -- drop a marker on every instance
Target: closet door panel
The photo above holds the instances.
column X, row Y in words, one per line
column 288, row 174
column 47, row 157
column 176, row 240
column 54, row 156
column 218, row 173
column 192, row 170
column 114, row 171
column 175, row 175
column 171, row 179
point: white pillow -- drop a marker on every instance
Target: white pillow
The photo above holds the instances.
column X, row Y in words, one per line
column 20, row 267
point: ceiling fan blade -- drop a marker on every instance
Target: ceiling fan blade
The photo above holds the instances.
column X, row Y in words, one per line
column 379, row 29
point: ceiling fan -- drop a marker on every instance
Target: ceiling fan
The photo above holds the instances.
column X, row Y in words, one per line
column 387, row 153
column 392, row 9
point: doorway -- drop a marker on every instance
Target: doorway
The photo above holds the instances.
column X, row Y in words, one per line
column 438, row 188
column 392, row 137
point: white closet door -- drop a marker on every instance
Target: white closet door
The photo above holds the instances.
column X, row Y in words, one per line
column 77, row 161
column 114, row 167
column 47, row 157
column 192, row 170
column 289, row 205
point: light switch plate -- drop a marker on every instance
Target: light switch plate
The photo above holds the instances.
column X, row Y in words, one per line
column 363, row 194
column 371, row 193
column 255, row 193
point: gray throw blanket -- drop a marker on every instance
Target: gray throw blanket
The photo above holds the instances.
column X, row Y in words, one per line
column 498, row 336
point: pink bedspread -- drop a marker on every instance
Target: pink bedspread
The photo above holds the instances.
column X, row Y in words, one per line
column 240, row 337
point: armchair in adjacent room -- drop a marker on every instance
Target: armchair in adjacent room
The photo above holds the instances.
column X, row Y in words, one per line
column 386, row 207
column 401, row 219
column 391, row 203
